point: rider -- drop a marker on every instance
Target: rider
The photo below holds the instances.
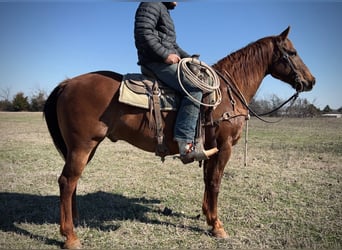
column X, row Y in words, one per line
column 158, row 51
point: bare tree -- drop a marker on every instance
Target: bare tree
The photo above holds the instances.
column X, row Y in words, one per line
column 5, row 103
column 5, row 94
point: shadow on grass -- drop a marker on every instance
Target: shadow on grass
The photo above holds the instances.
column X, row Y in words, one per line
column 96, row 210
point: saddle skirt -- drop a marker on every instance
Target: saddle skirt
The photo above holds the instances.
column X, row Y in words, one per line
column 137, row 90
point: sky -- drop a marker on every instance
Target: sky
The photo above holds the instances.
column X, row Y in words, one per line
column 44, row 42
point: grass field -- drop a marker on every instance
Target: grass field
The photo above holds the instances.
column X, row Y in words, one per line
column 288, row 196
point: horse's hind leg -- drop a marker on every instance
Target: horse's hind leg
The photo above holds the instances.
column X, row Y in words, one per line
column 74, row 165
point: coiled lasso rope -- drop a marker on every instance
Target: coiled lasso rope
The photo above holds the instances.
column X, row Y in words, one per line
column 197, row 82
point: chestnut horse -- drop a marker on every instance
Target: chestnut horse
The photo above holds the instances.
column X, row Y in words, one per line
column 82, row 111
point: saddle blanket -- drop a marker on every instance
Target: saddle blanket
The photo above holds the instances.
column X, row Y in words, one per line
column 137, row 89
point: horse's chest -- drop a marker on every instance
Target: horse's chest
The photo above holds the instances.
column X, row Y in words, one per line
column 232, row 130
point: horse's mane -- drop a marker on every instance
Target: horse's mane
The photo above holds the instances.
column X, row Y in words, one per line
column 248, row 61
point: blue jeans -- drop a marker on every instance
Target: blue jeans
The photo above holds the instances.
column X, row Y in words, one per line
column 188, row 111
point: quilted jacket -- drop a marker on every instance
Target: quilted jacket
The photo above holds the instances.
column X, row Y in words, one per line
column 154, row 33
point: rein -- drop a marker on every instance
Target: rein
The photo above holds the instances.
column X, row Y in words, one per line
column 233, row 87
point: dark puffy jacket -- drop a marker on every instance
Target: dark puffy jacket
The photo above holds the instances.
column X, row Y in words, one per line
column 154, row 33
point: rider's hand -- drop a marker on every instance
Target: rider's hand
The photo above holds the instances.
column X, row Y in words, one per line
column 172, row 59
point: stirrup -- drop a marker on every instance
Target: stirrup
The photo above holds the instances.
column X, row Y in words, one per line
column 198, row 155
column 190, row 153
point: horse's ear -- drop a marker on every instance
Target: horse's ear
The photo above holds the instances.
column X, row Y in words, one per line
column 285, row 33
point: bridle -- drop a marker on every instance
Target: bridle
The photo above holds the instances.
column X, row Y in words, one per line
column 233, row 88
column 287, row 57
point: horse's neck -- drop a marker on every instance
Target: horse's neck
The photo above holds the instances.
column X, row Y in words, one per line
column 247, row 71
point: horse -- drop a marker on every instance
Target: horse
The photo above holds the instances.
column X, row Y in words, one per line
column 82, row 111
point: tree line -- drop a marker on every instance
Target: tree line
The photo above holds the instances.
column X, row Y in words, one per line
column 21, row 102
column 299, row 108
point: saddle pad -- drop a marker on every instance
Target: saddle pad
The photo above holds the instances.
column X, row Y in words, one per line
column 135, row 91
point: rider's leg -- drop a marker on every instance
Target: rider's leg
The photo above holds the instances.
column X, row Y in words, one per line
column 188, row 112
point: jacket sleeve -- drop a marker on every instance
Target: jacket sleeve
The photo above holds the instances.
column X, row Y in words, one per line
column 181, row 52
column 145, row 32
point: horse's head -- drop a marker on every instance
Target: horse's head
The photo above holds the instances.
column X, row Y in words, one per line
column 288, row 66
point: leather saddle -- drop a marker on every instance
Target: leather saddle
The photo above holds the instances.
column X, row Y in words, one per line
column 138, row 89
column 145, row 91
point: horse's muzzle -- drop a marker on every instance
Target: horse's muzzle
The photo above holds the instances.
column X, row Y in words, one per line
column 305, row 85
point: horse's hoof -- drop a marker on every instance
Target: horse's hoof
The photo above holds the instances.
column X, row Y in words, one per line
column 75, row 244
column 219, row 233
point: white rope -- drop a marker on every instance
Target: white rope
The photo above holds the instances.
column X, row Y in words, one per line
column 204, row 86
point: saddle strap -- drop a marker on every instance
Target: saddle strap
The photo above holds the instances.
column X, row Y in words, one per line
column 161, row 147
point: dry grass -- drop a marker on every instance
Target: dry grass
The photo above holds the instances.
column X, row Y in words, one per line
column 289, row 195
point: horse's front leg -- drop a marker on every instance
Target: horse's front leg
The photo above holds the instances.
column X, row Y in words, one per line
column 213, row 172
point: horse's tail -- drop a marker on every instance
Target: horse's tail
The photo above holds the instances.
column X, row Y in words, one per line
column 50, row 114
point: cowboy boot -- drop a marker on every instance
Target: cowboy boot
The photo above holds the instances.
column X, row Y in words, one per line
column 189, row 152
